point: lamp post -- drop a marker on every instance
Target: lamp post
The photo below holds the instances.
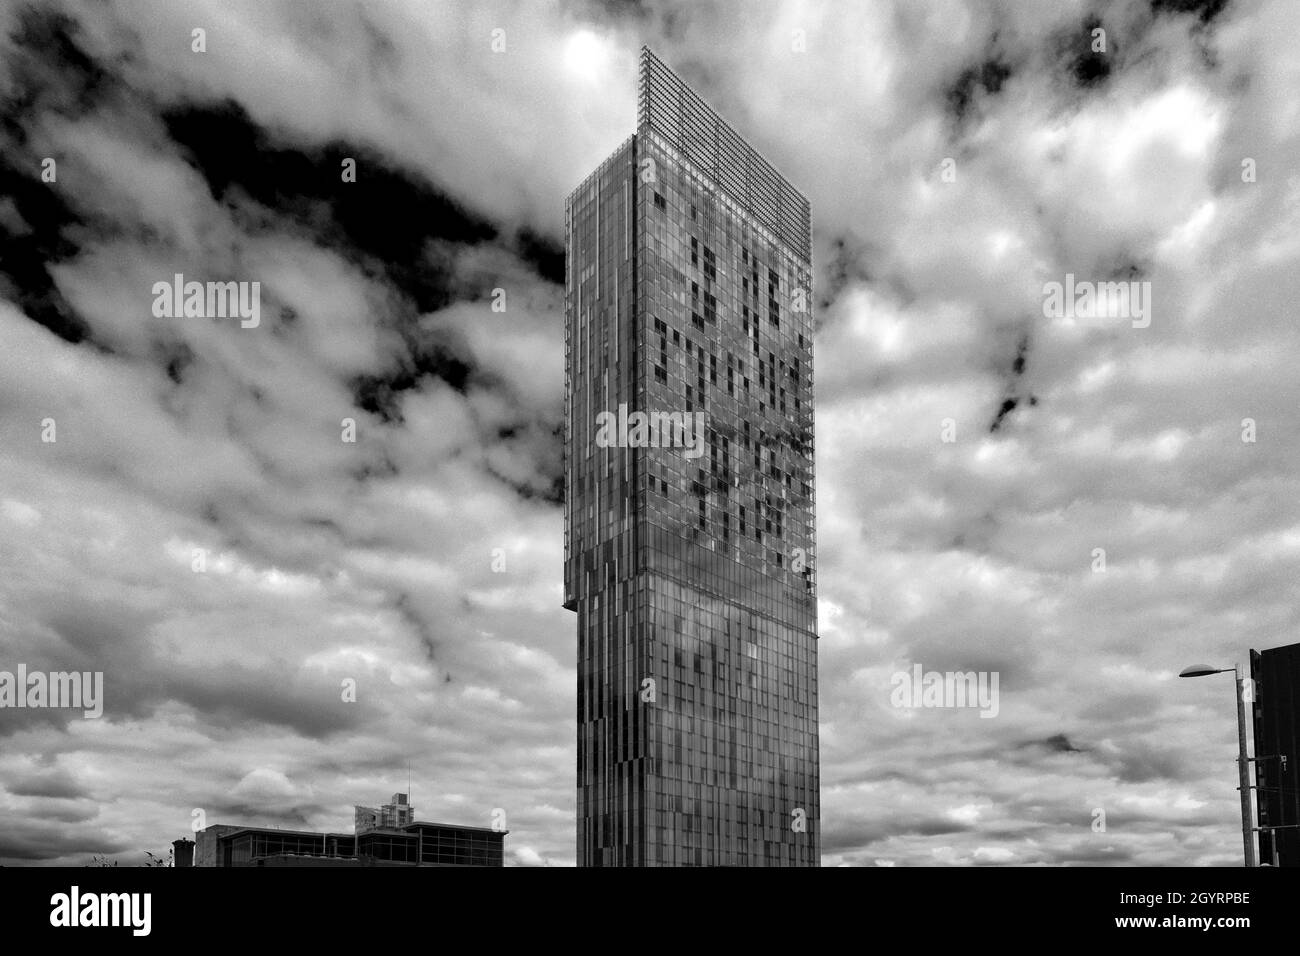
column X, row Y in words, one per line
column 1243, row 762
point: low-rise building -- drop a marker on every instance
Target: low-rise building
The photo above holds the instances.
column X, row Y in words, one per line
column 387, row 836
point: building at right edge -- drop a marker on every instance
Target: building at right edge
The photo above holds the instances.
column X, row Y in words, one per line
column 689, row 506
column 1275, row 674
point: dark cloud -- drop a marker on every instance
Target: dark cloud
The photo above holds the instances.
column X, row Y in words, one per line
column 49, row 69
column 30, row 843
column 847, row 264
column 381, row 393
column 113, row 640
column 1089, row 67
column 385, row 220
column 542, row 253
column 1057, row 743
column 1007, row 407
column 1012, row 400
column 1139, row 762
column 176, row 357
column 971, row 84
column 424, row 633
column 53, row 784
column 48, row 72
column 850, row 836
column 1204, row 10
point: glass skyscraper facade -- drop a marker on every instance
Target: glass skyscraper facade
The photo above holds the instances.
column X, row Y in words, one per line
column 690, row 565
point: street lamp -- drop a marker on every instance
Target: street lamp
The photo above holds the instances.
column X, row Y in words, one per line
column 1243, row 762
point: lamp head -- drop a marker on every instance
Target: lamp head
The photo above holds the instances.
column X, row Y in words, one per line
column 1201, row 670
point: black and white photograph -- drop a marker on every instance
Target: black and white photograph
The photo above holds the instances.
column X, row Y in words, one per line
column 654, row 434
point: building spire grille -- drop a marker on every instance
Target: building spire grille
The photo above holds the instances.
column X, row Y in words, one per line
column 666, row 105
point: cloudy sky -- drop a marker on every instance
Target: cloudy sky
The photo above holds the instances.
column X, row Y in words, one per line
column 1169, row 158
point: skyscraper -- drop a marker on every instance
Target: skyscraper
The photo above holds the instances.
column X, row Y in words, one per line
column 689, row 531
